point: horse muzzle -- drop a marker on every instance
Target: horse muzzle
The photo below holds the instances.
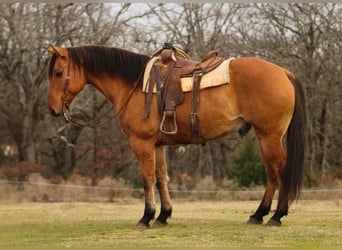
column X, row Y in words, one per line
column 53, row 112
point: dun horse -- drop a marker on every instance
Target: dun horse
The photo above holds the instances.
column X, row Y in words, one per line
column 259, row 95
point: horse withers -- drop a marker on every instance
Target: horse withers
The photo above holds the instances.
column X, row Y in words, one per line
column 259, row 95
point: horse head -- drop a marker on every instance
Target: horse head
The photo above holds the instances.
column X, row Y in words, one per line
column 65, row 80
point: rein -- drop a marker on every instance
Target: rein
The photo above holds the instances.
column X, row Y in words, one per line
column 92, row 123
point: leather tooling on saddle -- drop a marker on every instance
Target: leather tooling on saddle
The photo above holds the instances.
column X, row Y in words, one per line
column 170, row 72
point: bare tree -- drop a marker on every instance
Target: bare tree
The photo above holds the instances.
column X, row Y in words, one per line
column 306, row 38
column 195, row 27
column 312, row 39
column 21, row 75
column 26, row 31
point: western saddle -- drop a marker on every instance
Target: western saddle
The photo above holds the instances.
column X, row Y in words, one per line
column 166, row 73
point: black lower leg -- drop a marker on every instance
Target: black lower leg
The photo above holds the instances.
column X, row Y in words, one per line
column 148, row 215
column 278, row 215
column 165, row 213
column 260, row 212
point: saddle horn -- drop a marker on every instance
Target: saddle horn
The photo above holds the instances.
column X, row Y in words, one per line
column 176, row 51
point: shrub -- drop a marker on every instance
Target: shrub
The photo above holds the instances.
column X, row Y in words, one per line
column 248, row 168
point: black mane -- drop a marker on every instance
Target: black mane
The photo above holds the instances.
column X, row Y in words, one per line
column 109, row 60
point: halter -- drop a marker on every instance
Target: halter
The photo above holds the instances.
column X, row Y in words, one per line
column 65, row 106
column 92, row 123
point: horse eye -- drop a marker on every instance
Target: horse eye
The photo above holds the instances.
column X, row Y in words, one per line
column 59, row 73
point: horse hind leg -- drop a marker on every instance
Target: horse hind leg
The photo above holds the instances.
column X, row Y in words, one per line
column 273, row 156
column 162, row 180
column 283, row 200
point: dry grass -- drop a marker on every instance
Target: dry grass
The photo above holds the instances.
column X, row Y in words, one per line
column 74, row 214
column 199, row 223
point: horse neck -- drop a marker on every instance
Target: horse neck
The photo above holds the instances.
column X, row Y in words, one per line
column 115, row 89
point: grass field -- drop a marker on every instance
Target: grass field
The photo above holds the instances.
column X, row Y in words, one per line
column 200, row 223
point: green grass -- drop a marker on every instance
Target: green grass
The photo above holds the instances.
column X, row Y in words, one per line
column 193, row 224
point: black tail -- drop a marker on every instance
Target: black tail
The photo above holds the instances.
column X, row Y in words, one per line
column 296, row 143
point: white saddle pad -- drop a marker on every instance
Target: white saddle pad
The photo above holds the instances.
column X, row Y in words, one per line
column 216, row 77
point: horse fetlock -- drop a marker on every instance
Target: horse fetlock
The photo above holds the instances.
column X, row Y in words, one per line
column 148, row 215
column 165, row 213
column 278, row 215
column 261, row 212
column 275, row 219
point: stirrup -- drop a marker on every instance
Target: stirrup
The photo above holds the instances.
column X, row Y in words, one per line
column 166, row 129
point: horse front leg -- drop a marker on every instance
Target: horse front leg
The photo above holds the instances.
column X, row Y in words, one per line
column 145, row 154
column 162, row 180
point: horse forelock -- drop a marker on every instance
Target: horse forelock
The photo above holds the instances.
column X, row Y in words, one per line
column 109, row 60
column 52, row 64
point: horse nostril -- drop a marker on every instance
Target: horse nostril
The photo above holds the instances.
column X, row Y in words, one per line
column 53, row 112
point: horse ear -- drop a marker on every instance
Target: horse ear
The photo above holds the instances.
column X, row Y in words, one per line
column 56, row 50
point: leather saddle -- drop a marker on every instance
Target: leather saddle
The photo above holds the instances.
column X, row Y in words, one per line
column 166, row 73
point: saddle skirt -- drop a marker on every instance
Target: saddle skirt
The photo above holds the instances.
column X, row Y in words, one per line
column 216, row 77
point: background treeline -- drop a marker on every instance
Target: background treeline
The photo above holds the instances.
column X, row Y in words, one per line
column 305, row 38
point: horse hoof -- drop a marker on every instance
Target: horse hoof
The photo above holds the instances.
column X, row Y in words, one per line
column 158, row 224
column 254, row 221
column 141, row 226
column 273, row 223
